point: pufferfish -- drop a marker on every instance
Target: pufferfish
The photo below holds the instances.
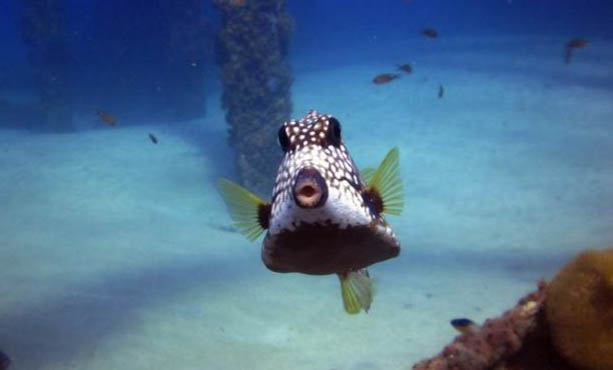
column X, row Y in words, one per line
column 325, row 217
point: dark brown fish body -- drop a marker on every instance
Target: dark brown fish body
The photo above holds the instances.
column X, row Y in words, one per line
column 441, row 91
column 153, row 138
column 430, row 32
column 571, row 46
column 320, row 250
column 107, row 118
column 385, row 78
column 405, row 67
column 576, row 43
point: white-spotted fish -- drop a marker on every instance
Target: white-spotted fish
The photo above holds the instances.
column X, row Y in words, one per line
column 325, row 217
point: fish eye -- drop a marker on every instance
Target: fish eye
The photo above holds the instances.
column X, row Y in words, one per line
column 335, row 131
column 283, row 139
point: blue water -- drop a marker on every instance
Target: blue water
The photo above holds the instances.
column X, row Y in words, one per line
column 118, row 252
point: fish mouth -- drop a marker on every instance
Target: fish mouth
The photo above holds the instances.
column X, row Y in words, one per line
column 310, row 189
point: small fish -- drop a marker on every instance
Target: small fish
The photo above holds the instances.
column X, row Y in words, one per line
column 430, row 32
column 441, row 91
column 5, row 361
column 406, row 67
column 107, row 118
column 464, row 325
column 325, row 216
column 573, row 45
column 385, row 78
column 576, row 43
column 153, row 138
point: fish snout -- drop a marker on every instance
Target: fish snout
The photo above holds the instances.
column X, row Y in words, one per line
column 310, row 189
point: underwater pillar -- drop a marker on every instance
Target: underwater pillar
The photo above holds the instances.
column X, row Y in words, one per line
column 252, row 48
column 43, row 30
column 186, row 49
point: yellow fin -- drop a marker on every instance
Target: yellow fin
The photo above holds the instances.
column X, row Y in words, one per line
column 245, row 208
column 367, row 174
column 386, row 182
column 357, row 291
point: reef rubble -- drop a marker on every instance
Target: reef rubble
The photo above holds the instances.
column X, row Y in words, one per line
column 498, row 342
column 548, row 328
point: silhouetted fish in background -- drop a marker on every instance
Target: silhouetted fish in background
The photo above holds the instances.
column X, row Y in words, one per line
column 5, row 361
column 406, row 67
column 153, row 138
column 325, row 217
column 573, row 45
column 441, row 91
column 430, row 32
column 385, row 78
column 107, row 118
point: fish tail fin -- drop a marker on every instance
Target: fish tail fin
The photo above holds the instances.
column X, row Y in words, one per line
column 357, row 290
column 249, row 213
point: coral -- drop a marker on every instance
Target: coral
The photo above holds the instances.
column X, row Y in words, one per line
column 580, row 310
column 252, row 48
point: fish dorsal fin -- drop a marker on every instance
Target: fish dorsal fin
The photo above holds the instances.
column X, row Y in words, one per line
column 249, row 213
column 385, row 182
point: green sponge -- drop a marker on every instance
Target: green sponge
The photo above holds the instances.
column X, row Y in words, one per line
column 580, row 310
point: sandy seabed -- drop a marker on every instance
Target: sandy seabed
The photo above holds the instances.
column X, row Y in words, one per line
column 116, row 252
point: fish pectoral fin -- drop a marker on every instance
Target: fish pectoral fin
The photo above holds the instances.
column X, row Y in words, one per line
column 367, row 174
column 386, row 182
column 357, row 291
column 249, row 213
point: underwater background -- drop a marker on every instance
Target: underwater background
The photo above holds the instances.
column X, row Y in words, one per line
column 117, row 251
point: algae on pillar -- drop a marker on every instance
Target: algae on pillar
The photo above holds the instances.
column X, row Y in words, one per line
column 43, row 30
column 252, row 52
